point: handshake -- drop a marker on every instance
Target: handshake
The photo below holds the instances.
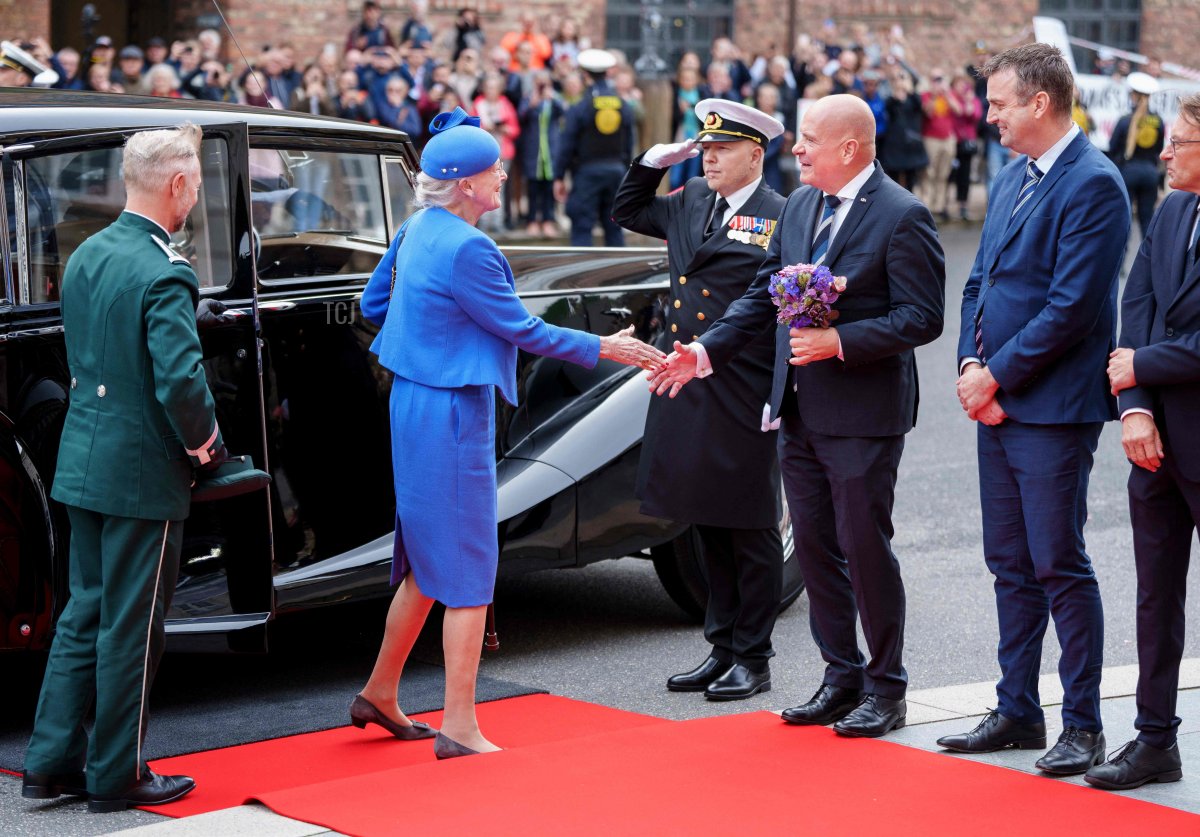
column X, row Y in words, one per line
column 624, row 348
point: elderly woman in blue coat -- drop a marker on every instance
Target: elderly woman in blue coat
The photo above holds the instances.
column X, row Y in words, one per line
column 450, row 326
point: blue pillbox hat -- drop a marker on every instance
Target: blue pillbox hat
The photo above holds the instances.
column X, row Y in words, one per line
column 458, row 147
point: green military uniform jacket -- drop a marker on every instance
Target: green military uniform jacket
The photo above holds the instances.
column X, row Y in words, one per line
column 141, row 416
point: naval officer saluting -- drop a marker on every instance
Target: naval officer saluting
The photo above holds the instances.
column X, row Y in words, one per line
column 141, row 421
column 705, row 458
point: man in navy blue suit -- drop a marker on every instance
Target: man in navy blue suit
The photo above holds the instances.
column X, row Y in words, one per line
column 1156, row 374
column 846, row 396
column 1038, row 322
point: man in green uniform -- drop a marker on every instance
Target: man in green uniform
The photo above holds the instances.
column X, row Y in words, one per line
column 141, row 421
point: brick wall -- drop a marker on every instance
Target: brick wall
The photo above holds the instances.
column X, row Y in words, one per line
column 941, row 32
column 21, row 19
column 1169, row 29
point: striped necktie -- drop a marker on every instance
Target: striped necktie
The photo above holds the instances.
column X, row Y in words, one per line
column 825, row 229
column 1032, row 176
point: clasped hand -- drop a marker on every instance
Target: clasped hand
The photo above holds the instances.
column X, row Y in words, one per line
column 977, row 394
column 1120, row 370
column 624, row 348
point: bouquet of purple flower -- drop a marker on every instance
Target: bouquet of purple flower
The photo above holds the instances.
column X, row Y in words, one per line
column 804, row 295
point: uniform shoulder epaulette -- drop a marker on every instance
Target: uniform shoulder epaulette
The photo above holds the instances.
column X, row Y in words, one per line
column 171, row 254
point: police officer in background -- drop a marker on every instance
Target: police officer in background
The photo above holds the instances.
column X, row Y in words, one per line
column 597, row 145
column 706, row 459
column 140, row 424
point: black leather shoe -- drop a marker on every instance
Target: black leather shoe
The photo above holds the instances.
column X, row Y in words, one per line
column 1134, row 765
column 829, row 704
column 995, row 732
column 698, row 678
column 739, row 682
column 53, row 785
column 151, row 789
column 1076, row 752
column 875, row 716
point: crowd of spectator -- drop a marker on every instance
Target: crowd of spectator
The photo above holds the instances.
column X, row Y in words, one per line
column 933, row 137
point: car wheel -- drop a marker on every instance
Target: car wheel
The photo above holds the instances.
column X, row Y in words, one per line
column 682, row 575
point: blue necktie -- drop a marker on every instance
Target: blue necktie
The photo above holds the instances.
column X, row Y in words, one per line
column 1033, row 176
column 824, row 231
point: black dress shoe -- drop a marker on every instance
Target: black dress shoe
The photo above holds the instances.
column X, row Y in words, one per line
column 1134, row 765
column 829, row 704
column 875, row 716
column 698, row 678
column 53, row 785
column 151, row 789
column 363, row 712
column 739, row 682
column 995, row 732
column 1076, row 752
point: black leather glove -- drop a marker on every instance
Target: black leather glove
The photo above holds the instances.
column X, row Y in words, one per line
column 211, row 312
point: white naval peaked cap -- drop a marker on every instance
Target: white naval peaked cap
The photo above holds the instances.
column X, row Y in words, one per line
column 596, row 60
column 725, row 121
column 1142, row 83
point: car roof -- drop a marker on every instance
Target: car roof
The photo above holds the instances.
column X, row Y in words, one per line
column 29, row 110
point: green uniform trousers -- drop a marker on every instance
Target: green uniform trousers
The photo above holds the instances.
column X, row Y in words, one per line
column 107, row 647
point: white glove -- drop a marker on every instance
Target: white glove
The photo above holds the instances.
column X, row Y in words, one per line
column 663, row 156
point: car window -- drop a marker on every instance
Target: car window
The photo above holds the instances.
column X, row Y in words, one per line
column 400, row 192
column 316, row 213
column 73, row 195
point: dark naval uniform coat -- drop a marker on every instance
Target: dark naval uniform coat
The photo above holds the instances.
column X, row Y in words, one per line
column 140, row 419
column 705, row 459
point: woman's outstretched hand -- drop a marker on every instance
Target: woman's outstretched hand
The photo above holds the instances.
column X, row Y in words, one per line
column 624, row 348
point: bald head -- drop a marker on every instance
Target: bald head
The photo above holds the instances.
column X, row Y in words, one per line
column 844, row 117
column 836, row 142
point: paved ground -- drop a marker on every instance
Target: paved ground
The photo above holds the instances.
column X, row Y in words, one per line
column 609, row 634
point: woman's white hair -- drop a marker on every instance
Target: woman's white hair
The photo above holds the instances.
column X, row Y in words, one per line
column 153, row 158
column 164, row 70
column 433, row 192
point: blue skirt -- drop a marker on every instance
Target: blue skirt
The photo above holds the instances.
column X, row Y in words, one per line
column 444, row 468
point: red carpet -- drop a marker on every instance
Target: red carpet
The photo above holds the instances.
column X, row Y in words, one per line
column 229, row 776
column 742, row 774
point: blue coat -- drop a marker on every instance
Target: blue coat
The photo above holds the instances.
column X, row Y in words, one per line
column 454, row 318
column 1046, row 283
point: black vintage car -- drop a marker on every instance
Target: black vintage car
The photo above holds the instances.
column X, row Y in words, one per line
column 293, row 215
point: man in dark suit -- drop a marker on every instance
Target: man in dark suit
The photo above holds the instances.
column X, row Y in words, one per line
column 1038, row 319
column 705, row 458
column 846, row 396
column 1156, row 373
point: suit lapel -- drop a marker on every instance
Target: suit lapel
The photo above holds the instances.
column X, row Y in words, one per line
column 698, row 216
column 807, row 213
column 862, row 203
column 1182, row 278
column 1065, row 161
